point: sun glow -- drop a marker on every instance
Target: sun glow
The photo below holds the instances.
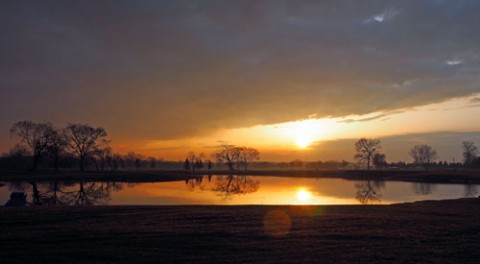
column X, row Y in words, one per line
column 306, row 132
column 303, row 195
column 303, row 141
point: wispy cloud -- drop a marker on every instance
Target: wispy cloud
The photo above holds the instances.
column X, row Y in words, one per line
column 453, row 62
column 383, row 117
column 387, row 14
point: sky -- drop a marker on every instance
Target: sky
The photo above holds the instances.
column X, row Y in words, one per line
column 295, row 79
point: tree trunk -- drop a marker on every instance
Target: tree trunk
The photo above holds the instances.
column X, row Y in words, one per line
column 96, row 164
column 35, row 159
column 230, row 165
column 368, row 162
column 55, row 161
column 81, row 162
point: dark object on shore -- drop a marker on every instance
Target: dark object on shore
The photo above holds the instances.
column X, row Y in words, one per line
column 17, row 199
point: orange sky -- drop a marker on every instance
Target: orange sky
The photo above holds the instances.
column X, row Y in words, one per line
column 306, row 139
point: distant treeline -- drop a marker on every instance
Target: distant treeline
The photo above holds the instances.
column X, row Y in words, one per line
column 82, row 147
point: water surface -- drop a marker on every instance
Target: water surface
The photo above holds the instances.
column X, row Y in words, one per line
column 234, row 190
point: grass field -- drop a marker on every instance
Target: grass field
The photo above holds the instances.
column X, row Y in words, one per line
column 432, row 231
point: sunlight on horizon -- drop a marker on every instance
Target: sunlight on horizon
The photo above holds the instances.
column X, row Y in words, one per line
column 301, row 138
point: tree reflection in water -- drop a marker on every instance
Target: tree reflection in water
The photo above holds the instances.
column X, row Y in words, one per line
column 195, row 184
column 225, row 186
column 68, row 194
column 368, row 191
column 423, row 188
column 471, row 190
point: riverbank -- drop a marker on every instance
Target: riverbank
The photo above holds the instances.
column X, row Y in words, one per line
column 429, row 176
column 433, row 231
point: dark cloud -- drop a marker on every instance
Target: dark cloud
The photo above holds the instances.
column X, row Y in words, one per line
column 168, row 69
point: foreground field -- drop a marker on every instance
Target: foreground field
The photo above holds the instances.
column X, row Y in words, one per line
column 433, row 231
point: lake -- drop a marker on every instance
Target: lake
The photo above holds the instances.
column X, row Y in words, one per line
column 234, row 190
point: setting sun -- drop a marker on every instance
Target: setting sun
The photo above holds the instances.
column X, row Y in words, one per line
column 303, row 141
column 303, row 195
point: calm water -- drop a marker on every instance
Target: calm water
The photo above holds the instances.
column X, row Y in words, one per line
column 234, row 190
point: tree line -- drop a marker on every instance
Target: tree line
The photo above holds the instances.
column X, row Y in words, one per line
column 80, row 141
column 368, row 153
column 232, row 156
column 81, row 145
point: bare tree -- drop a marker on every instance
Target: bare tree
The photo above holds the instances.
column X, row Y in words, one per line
column 423, row 155
column 57, row 142
column 35, row 136
column 366, row 148
column 194, row 161
column 84, row 140
column 228, row 154
column 470, row 152
column 248, row 155
column 379, row 160
column 101, row 153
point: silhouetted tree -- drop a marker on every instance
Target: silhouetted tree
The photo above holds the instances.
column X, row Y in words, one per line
column 138, row 163
column 379, row 160
column 228, row 154
column 248, row 155
column 113, row 161
column 84, row 140
column 476, row 163
column 101, row 153
column 296, row 164
column 199, row 164
column 17, row 157
column 470, row 152
column 152, row 163
column 209, row 165
column 186, row 164
column 366, row 149
column 423, row 155
column 57, row 142
column 35, row 136
column 195, row 161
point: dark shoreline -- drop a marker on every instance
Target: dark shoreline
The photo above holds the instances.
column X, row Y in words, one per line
column 433, row 176
column 431, row 231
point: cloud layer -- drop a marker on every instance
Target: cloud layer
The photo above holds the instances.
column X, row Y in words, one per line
column 170, row 69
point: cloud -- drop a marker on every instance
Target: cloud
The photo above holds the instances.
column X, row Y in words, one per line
column 172, row 69
column 453, row 62
column 382, row 117
column 387, row 14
